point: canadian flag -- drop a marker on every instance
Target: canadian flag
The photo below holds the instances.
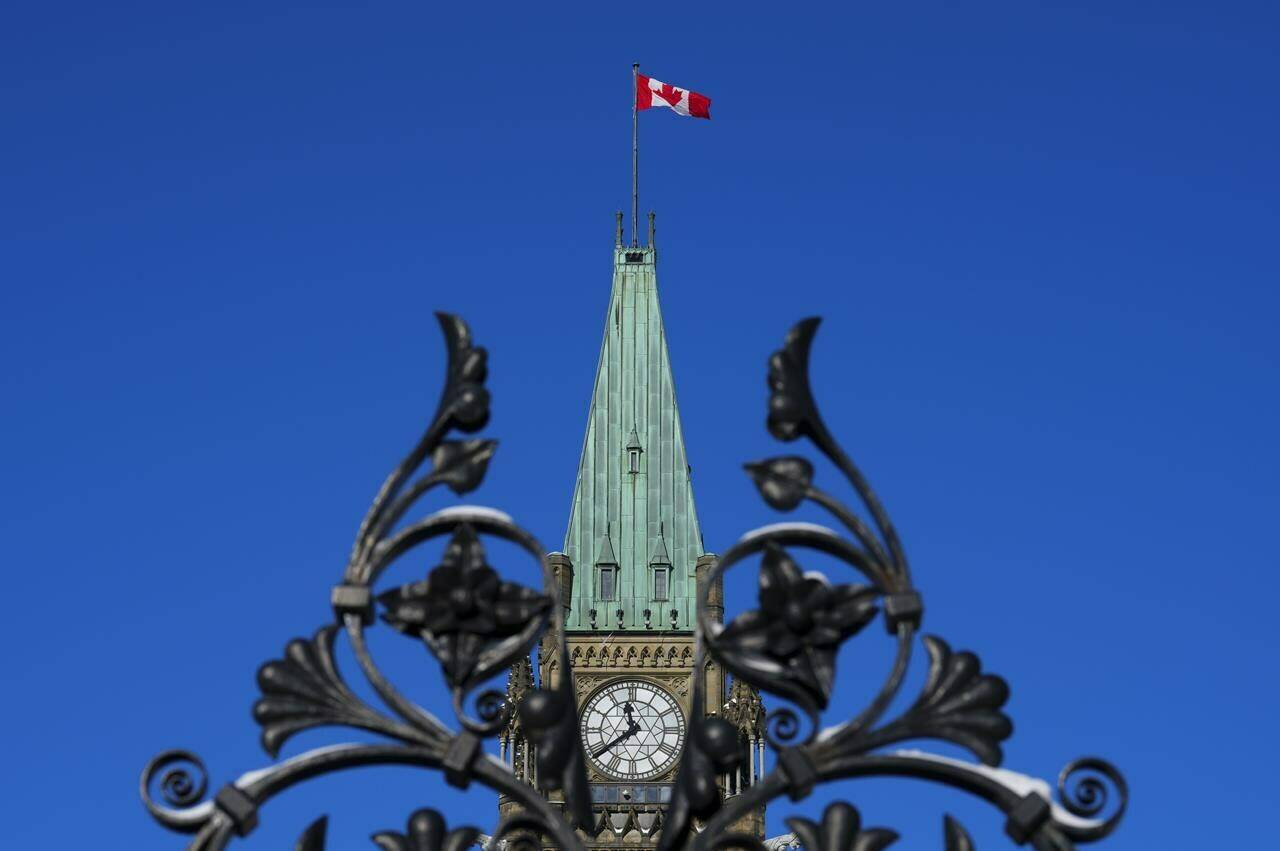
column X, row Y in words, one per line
column 651, row 92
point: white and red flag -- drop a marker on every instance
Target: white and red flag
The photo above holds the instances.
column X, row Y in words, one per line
column 651, row 92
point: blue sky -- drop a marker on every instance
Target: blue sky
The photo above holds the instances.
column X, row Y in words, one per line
column 1043, row 237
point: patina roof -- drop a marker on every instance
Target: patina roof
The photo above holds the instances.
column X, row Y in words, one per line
column 639, row 519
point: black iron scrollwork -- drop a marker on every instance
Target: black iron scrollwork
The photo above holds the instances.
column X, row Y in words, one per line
column 472, row 621
column 477, row 624
column 182, row 781
column 787, row 647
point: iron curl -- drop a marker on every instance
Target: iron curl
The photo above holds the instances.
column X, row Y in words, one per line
column 783, row 727
column 1086, row 787
column 493, row 712
column 181, row 780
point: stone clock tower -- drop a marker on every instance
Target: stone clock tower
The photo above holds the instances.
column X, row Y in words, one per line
column 632, row 562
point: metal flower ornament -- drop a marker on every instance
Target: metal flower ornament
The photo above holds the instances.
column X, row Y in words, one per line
column 478, row 625
column 793, row 637
column 460, row 607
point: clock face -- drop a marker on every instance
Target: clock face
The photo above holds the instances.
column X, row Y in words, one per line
column 632, row 729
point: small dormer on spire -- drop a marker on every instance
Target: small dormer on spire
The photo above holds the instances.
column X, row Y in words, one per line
column 606, row 569
column 660, row 568
column 633, row 452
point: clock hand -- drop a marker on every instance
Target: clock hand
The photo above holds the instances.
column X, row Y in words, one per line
column 626, row 734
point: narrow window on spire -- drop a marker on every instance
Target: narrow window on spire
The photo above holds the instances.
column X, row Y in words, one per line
column 661, row 582
column 608, row 581
column 633, row 452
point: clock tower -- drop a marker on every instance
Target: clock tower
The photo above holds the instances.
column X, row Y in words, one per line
column 632, row 562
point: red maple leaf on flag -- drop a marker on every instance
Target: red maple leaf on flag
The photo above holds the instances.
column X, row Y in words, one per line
column 669, row 93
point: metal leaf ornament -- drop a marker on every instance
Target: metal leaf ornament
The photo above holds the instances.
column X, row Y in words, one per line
column 304, row 689
column 958, row 704
column 465, row 400
column 783, row 482
column 461, row 464
column 792, row 412
column 957, row 838
column 426, row 831
column 788, row 645
column 961, row 704
column 463, row 610
column 839, row 830
column 313, row 838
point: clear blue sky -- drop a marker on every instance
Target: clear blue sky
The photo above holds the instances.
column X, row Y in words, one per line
column 1043, row 236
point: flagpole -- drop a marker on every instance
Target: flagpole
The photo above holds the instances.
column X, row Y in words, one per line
column 635, row 157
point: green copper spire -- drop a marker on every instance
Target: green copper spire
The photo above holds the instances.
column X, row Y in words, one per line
column 633, row 530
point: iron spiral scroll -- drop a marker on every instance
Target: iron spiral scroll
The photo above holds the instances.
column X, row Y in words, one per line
column 478, row 625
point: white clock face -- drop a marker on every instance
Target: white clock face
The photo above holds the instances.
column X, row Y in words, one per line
column 632, row 729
